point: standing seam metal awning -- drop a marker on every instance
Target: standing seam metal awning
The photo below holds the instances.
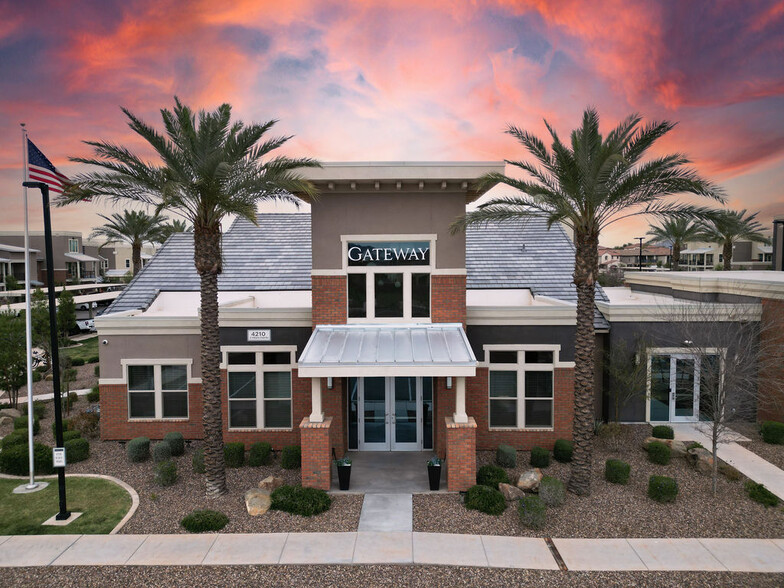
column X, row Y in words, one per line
column 80, row 256
column 440, row 349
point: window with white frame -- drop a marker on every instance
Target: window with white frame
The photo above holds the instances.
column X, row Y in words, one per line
column 73, row 245
column 259, row 388
column 520, row 388
column 157, row 391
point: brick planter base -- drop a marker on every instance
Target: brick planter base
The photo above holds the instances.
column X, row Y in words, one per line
column 316, row 458
column 460, row 454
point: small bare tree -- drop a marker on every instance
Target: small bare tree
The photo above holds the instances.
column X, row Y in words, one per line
column 627, row 369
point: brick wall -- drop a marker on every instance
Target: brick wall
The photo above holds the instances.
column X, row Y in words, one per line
column 448, row 299
column 329, row 300
column 460, row 454
column 316, row 453
column 771, row 401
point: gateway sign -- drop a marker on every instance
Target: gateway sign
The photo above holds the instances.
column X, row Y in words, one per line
column 389, row 253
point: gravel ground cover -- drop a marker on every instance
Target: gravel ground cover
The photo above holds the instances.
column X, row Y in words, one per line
column 319, row 576
column 614, row 510
column 772, row 453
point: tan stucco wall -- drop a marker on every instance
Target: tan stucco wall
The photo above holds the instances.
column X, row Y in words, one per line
column 402, row 212
column 146, row 347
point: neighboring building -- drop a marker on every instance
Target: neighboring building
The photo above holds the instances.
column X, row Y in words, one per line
column 777, row 249
column 651, row 256
column 746, row 255
column 120, row 257
column 12, row 263
column 71, row 264
column 97, row 251
column 609, row 259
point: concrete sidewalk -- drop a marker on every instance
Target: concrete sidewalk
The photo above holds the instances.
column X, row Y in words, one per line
column 736, row 555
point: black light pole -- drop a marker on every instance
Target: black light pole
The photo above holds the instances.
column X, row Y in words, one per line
column 54, row 355
column 640, row 262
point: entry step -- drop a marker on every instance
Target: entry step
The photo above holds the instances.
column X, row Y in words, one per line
column 387, row 512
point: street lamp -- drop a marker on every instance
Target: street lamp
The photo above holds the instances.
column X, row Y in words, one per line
column 55, row 354
column 640, row 239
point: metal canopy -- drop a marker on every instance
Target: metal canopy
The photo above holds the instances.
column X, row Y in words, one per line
column 387, row 350
column 80, row 257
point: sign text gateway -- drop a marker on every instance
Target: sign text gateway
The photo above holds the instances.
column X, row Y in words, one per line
column 389, row 253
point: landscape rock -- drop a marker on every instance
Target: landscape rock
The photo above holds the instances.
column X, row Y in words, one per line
column 257, row 502
column 677, row 446
column 529, row 480
column 11, row 412
column 6, row 425
column 701, row 459
column 510, row 492
column 270, row 483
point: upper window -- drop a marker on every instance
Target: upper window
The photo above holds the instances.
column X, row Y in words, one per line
column 259, row 386
column 127, row 263
column 157, row 391
column 521, row 388
column 73, row 245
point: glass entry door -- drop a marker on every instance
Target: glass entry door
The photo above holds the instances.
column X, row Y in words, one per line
column 387, row 413
column 674, row 388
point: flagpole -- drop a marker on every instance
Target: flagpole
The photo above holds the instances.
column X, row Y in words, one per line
column 28, row 321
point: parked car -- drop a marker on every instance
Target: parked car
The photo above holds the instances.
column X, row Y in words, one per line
column 86, row 305
column 86, row 325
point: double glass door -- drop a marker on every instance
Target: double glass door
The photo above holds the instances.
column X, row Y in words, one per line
column 675, row 388
column 390, row 414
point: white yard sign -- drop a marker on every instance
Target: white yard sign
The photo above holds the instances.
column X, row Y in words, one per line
column 58, row 457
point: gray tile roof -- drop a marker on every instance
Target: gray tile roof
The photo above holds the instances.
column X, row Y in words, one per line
column 275, row 255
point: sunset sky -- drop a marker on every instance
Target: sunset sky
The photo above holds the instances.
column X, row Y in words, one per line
column 400, row 80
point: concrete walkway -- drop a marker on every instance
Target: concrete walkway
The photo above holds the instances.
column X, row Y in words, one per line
column 746, row 462
column 387, row 513
column 737, row 555
column 48, row 396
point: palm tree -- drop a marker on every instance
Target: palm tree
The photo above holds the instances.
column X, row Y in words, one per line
column 210, row 167
column 134, row 227
column 676, row 231
column 176, row 226
column 588, row 184
column 727, row 227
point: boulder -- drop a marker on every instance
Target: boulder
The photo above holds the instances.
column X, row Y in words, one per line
column 510, row 492
column 11, row 412
column 270, row 483
column 529, row 480
column 677, row 446
column 257, row 502
column 701, row 459
column 6, row 425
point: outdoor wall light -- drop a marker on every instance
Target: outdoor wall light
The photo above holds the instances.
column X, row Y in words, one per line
column 330, row 383
column 449, row 382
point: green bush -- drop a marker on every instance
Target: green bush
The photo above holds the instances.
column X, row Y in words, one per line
column 562, row 451
column 77, row 450
column 552, row 491
column 301, row 501
column 758, row 493
column 87, row 423
column 659, row 453
column 291, row 457
column 15, row 437
column 260, row 454
column 540, row 458
column 234, row 454
column 662, row 489
column 39, row 409
column 94, row 395
column 93, row 359
column 138, row 449
column 97, row 371
column 69, row 435
column 77, row 361
column 617, row 471
column 506, row 456
column 772, row 432
column 491, row 475
column 176, row 442
column 729, row 472
column 14, row 460
column 66, row 426
column 21, row 423
column 532, row 512
column 198, row 461
column 663, row 432
column 485, row 499
column 161, row 452
column 165, row 473
column 37, row 376
column 200, row 521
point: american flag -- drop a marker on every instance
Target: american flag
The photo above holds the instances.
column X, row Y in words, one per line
column 40, row 169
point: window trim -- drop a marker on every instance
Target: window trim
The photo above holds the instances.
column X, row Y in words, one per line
column 157, row 383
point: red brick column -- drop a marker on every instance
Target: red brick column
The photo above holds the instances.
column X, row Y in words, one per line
column 329, row 306
column 460, row 454
column 448, row 299
column 316, row 458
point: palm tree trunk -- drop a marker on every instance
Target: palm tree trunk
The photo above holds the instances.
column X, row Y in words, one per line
column 207, row 257
column 675, row 262
column 136, row 256
column 585, row 268
column 727, row 254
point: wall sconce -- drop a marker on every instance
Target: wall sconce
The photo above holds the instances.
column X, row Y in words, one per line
column 449, row 382
column 330, row 383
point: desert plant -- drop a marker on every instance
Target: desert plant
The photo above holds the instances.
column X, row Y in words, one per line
column 87, row 423
column 758, row 493
column 200, row 521
column 291, row 457
column 491, row 475
column 552, row 491
column 77, row 361
column 94, row 395
column 93, row 359
column 663, row 432
column 532, row 512
column 97, row 371
column 138, row 449
column 562, row 451
column 14, row 460
column 161, row 452
column 659, row 453
column 69, row 435
column 66, row 426
column 176, row 442
column 662, row 488
column 39, row 409
column 77, row 450
column 772, row 432
column 301, row 501
column 485, row 499
column 198, row 461
column 21, row 423
column 617, row 471
column 540, row 457
column 729, row 472
column 506, row 456
column 260, row 454
column 15, row 437
column 234, row 454
column 165, row 473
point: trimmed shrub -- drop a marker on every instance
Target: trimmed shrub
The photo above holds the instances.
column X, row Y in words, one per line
column 662, row 488
column 93, row 359
column 552, row 491
column 506, row 456
column 15, row 437
column 491, row 475
column 663, row 432
column 37, row 376
column 76, row 450
column 260, row 454
column 758, row 493
column 87, row 423
column 617, row 471
column 14, row 460
column 39, row 409
column 77, row 361
column 540, row 458
column 562, row 451
column 532, row 512
column 234, row 454
column 200, row 521
column 291, row 457
column 198, row 461
column 66, row 427
column 138, row 449
column 165, row 473
column 659, row 453
column 73, row 398
column 97, row 371
column 301, row 501
column 161, row 452
column 772, row 432
column 94, row 395
column 21, row 423
column 485, row 499
column 70, row 435
column 176, row 442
